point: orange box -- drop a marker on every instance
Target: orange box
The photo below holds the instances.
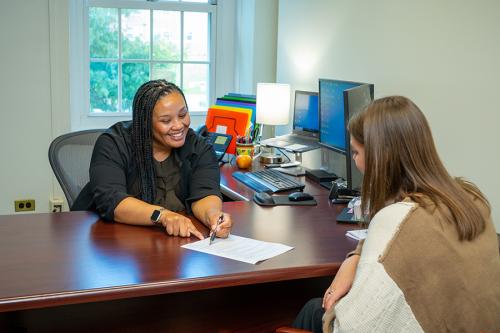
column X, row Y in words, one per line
column 227, row 122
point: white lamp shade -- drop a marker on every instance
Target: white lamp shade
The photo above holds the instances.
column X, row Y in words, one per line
column 273, row 103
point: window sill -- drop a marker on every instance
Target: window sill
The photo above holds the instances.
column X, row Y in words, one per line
column 129, row 114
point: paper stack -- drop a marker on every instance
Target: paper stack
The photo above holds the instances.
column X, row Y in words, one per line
column 357, row 234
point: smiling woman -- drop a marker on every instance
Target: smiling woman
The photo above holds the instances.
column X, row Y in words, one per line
column 154, row 169
column 170, row 125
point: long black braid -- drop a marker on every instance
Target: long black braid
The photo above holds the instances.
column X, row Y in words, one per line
column 142, row 134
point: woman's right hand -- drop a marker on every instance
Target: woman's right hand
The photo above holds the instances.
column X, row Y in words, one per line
column 178, row 225
column 342, row 282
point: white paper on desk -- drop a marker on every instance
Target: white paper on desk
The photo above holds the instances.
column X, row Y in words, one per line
column 239, row 248
column 357, row 234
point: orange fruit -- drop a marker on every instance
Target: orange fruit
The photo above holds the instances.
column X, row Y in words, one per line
column 243, row 161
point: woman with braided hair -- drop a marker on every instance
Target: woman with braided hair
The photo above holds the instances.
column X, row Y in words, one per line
column 148, row 170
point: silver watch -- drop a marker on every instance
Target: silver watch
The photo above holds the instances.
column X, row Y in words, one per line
column 156, row 216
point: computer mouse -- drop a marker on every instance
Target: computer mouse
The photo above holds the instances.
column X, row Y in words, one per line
column 263, row 198
column 300, row 196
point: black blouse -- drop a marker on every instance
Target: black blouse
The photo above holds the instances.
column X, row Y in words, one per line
column 114, row 176
column 168, row 176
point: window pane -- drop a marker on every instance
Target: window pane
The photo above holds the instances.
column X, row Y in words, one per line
column 169, row 72
column 135, row 34
column 195, row 36
column 195, row 86
column 103, row 87
column 103, row 32
column 133, row 75
column 166, row 35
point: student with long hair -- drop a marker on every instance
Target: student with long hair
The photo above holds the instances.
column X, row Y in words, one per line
column 430, row 262
column 148, row 170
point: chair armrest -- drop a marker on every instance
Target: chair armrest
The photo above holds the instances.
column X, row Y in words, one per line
column 286, row 329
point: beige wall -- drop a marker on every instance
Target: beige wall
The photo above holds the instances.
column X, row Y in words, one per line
column 255, row 46
column 25, row 103
column 442, row 54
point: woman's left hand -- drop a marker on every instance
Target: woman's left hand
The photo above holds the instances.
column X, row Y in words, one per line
column 342, row 282
column 223, row 229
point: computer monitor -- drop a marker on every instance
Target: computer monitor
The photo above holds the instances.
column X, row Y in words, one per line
column 355, row 100
column 332, row 129
column 305, row 114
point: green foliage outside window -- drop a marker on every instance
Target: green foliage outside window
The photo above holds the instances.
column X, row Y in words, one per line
column 103, row 42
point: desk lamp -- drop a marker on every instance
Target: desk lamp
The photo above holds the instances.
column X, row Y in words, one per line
column 273, row 108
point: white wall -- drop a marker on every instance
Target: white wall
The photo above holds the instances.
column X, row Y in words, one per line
column 442, row 54
column 255, row 47
column 25, row 103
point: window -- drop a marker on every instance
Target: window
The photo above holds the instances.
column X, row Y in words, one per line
column 132, row 41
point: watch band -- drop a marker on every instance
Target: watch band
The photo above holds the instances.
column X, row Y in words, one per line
column 156, row 215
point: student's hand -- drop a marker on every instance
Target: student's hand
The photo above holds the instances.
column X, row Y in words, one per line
column 342, row 282
column 179, row 225
column 223, row 229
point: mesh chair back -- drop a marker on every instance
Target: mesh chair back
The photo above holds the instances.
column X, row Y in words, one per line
column 69, row 157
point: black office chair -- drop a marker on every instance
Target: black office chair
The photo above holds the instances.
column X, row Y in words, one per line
column 202, row 130
column 69, row 157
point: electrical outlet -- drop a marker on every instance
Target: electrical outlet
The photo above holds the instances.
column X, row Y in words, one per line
column 56, row 205
column 24, row 205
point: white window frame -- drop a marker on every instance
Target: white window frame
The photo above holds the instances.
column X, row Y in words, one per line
column 81, row 117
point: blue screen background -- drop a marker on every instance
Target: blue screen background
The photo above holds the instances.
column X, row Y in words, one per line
column 306, row 112
column 331, row 106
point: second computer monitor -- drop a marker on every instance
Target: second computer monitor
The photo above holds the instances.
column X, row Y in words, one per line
column 338, row 102
column 355, row 99
column 331, row 113
column 305, row 115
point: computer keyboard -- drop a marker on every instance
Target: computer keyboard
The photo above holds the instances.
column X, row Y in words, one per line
column 268, row 180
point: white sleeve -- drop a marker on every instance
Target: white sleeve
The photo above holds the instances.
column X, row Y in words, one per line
column 375, row 303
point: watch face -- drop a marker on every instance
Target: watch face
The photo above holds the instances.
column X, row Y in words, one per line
column 155, row 216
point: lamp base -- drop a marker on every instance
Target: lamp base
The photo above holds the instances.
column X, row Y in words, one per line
column 267, row 158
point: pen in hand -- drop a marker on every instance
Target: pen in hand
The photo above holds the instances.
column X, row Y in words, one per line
column 219, row 221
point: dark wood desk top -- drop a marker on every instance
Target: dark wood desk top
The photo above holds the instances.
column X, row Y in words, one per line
column 65, row 258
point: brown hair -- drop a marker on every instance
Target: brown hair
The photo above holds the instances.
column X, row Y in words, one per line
column 401, row 161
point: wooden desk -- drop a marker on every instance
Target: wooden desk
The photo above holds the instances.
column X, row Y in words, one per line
column 74, row 272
